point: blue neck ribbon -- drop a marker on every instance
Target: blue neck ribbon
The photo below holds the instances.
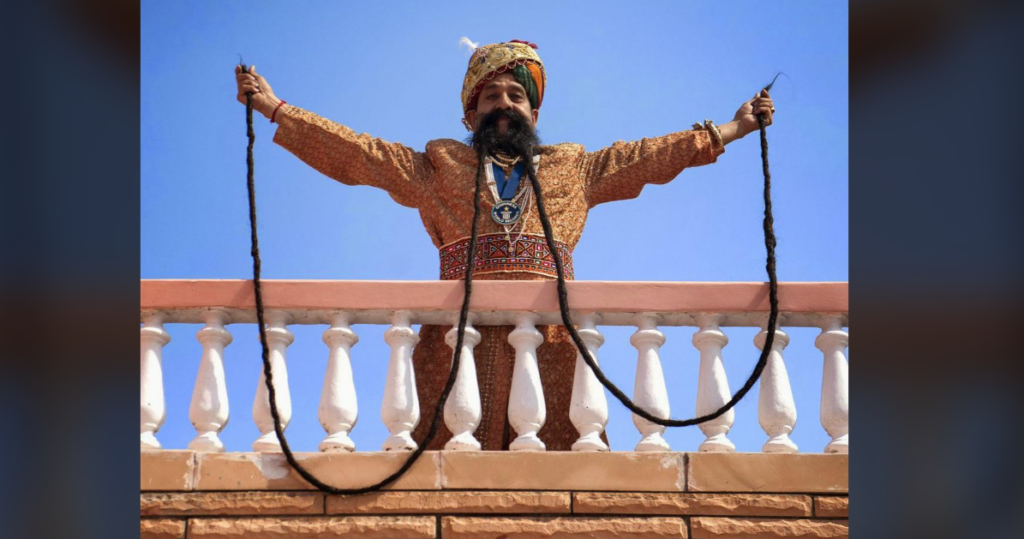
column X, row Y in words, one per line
column 507, row 188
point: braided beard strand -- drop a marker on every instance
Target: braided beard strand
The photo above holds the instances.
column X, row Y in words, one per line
column 524, row 149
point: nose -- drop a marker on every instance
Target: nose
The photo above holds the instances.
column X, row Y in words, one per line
column 504, row 103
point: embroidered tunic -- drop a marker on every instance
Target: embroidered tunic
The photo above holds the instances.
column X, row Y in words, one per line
column 440, row 182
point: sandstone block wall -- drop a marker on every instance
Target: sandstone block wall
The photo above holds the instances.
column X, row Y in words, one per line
column 463, row 495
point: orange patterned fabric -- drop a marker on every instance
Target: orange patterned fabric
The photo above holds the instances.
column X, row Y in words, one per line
column 439, row 182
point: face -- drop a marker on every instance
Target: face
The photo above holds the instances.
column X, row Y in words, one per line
column 502, row 92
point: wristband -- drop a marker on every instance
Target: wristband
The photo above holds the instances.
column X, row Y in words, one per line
column 274, row 115
column 711, row 128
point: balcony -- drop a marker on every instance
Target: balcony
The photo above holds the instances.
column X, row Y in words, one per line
column 709, row 490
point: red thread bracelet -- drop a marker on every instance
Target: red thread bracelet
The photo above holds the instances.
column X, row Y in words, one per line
column 274, row 115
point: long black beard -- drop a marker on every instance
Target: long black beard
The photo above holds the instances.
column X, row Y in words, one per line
column 520, row 140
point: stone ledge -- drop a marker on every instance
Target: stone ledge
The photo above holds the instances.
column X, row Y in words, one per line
column 832, row 507
column 768, row 472
column 270, row 471
column 312, row 527
column 162, row 528
column 735, row 528
column 450, row 503
column 232, row 503
column 615, row 471
column 638, row 503
column 166, row 470
column 561, row 528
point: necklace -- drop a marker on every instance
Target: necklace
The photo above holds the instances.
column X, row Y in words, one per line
column 505, row 161
column 509, row 213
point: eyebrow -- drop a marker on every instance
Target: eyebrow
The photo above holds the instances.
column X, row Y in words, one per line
column 494, row 84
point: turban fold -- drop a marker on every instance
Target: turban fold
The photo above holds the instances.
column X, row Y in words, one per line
column 488, row 61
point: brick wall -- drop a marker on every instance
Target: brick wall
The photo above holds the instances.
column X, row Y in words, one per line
column 463, row 495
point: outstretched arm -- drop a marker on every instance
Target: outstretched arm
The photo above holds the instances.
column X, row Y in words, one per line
column 620, row 171
column 337, row 151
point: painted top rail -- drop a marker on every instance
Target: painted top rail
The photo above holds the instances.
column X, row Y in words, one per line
column 495, row 302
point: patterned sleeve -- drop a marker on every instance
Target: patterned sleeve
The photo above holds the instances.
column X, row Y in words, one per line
column 620, row 171
column 353, row 159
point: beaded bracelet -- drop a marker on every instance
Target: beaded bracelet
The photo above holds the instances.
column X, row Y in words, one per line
column 274, row 115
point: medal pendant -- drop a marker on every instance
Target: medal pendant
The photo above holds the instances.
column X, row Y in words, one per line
column 506, row 212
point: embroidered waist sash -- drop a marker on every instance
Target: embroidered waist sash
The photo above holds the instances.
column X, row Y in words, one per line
column 493, row 255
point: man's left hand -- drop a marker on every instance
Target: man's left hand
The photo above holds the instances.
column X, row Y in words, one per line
column 746, row 116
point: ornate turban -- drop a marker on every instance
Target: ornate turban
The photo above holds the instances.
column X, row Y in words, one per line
column 518, row 57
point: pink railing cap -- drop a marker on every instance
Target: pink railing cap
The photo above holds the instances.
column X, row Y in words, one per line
column 538, row 296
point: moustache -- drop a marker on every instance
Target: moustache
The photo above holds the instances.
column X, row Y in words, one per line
column 516, row 121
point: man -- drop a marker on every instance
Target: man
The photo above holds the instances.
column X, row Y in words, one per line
column 502, row 94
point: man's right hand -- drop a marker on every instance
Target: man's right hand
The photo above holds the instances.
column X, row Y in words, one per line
column 263, row 99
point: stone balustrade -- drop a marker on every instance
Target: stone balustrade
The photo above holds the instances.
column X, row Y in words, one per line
column 711, row 308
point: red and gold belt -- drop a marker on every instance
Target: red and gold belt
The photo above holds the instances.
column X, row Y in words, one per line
column 494, row 254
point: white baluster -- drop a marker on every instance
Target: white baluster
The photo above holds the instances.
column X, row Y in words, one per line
column 209, row 409
column 339, row 408
column 462, row 410
column 401, row 408
column 526, row 411
column 588, row 408
column 151, row 378
column 776, row 410
column 712, row 385
column 649, row 392
column 835, row 385
column 278, row 340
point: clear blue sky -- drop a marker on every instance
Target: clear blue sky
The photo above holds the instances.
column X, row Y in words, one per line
column 616, row 71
